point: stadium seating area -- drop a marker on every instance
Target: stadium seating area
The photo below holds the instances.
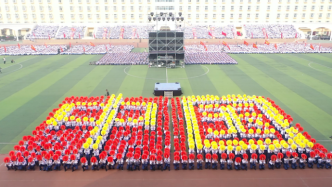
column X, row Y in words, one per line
column 273, row 31
column 43, row 32
column 208, row 31
column 75, row 32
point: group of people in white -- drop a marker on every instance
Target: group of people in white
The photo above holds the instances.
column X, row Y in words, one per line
column 68, row 32
column 271, row 31
column 208, row 32
column 43, row 32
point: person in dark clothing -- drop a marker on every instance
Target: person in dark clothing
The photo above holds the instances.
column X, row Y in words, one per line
column 107, row 93
column 12, row 61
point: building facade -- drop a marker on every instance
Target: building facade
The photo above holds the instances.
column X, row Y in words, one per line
column 136, row 11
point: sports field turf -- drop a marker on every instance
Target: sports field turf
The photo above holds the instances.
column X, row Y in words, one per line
column 301, row 84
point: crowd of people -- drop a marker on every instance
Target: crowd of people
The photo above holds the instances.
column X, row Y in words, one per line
column 208, row 32
column 43, row 32
column 29, row 50
column 74, row 32
column 127, row 58
column 271, row 31
column 129, row 31
column 209, row 132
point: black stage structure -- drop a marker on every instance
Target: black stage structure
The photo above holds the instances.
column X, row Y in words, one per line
column 166, row 48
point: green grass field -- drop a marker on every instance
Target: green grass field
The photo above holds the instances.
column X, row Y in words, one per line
column 300, row 83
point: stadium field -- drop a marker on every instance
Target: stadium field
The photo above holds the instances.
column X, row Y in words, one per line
column 301, row 84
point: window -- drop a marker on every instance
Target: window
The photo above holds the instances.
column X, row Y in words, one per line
column 61, row 16
column 89, row 16
column 97, row 16
column 240, row 8
column 328, row 15
column 72, row 16
column 279, row 7
column 232, row 8
column 123, row 16
column 34, row 16
column 189, row 8
column 278, row 16
column 222, row 15
column 257, row 15
column 214, row 8
column 249, row 8
column 248, row 15
column 114, row 8
column 106, row 8
column 304, row 7
column 71, row 8
column 17, row 16
column 50, row 16
column 140, row 8
column 8, row 16
column 288, row 7
column 321, row 7
column 295, row 15
column 268, row 7
column 286, row 16
column 197, row 16
column 25, row 16
column 267, row 15
column 313, row 8
column 115, row 16
column 330, row 7
column 60, row 8
column 303, row 15
column 15, row 8
column 81, row 16
column 189, row 16
column 97, row 8
column 89, row 8
column 257, row 8
column 223, row 8
column 312, row 15
column 131, row 8
column 180, row 8
column 240, row 16
column 296, row 7
column 197, row 8
column 231, row 15
column 123, row 8
column 214, row 16
column 320, row 15
column 206, row 16
column 80, row 8
column 206, row 8
column 132, row 16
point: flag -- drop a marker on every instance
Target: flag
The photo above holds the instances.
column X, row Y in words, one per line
column 64, row 35
column 312, row 47
column 5, row 48
column 275, row 46
column 282, row 36
column 254, row 46
column 246, row 43
column 184, row 47
column 239, row 33
column 84, row 49
column 106, row 47
column 110, row 45
column 202, row 43
column 19, row 46
column 45, row 45
column 69, row 45
column 49, row 37
column 205, row 47
column 295, row 35
column 223, row 33
column 34, row 34
column 92, row 44
column 61, row 49
column 33, row 48
column 210, row 34
column 94, row 35
column 79, row 35
column 267, row 42
column 252, row 35
column 224, row 43
column 320, row 46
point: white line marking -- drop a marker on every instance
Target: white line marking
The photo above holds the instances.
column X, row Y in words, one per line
column 208, row 70
column 318, row 64
column 166, row 76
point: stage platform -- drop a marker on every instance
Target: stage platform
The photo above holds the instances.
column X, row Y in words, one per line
column 160, row 88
